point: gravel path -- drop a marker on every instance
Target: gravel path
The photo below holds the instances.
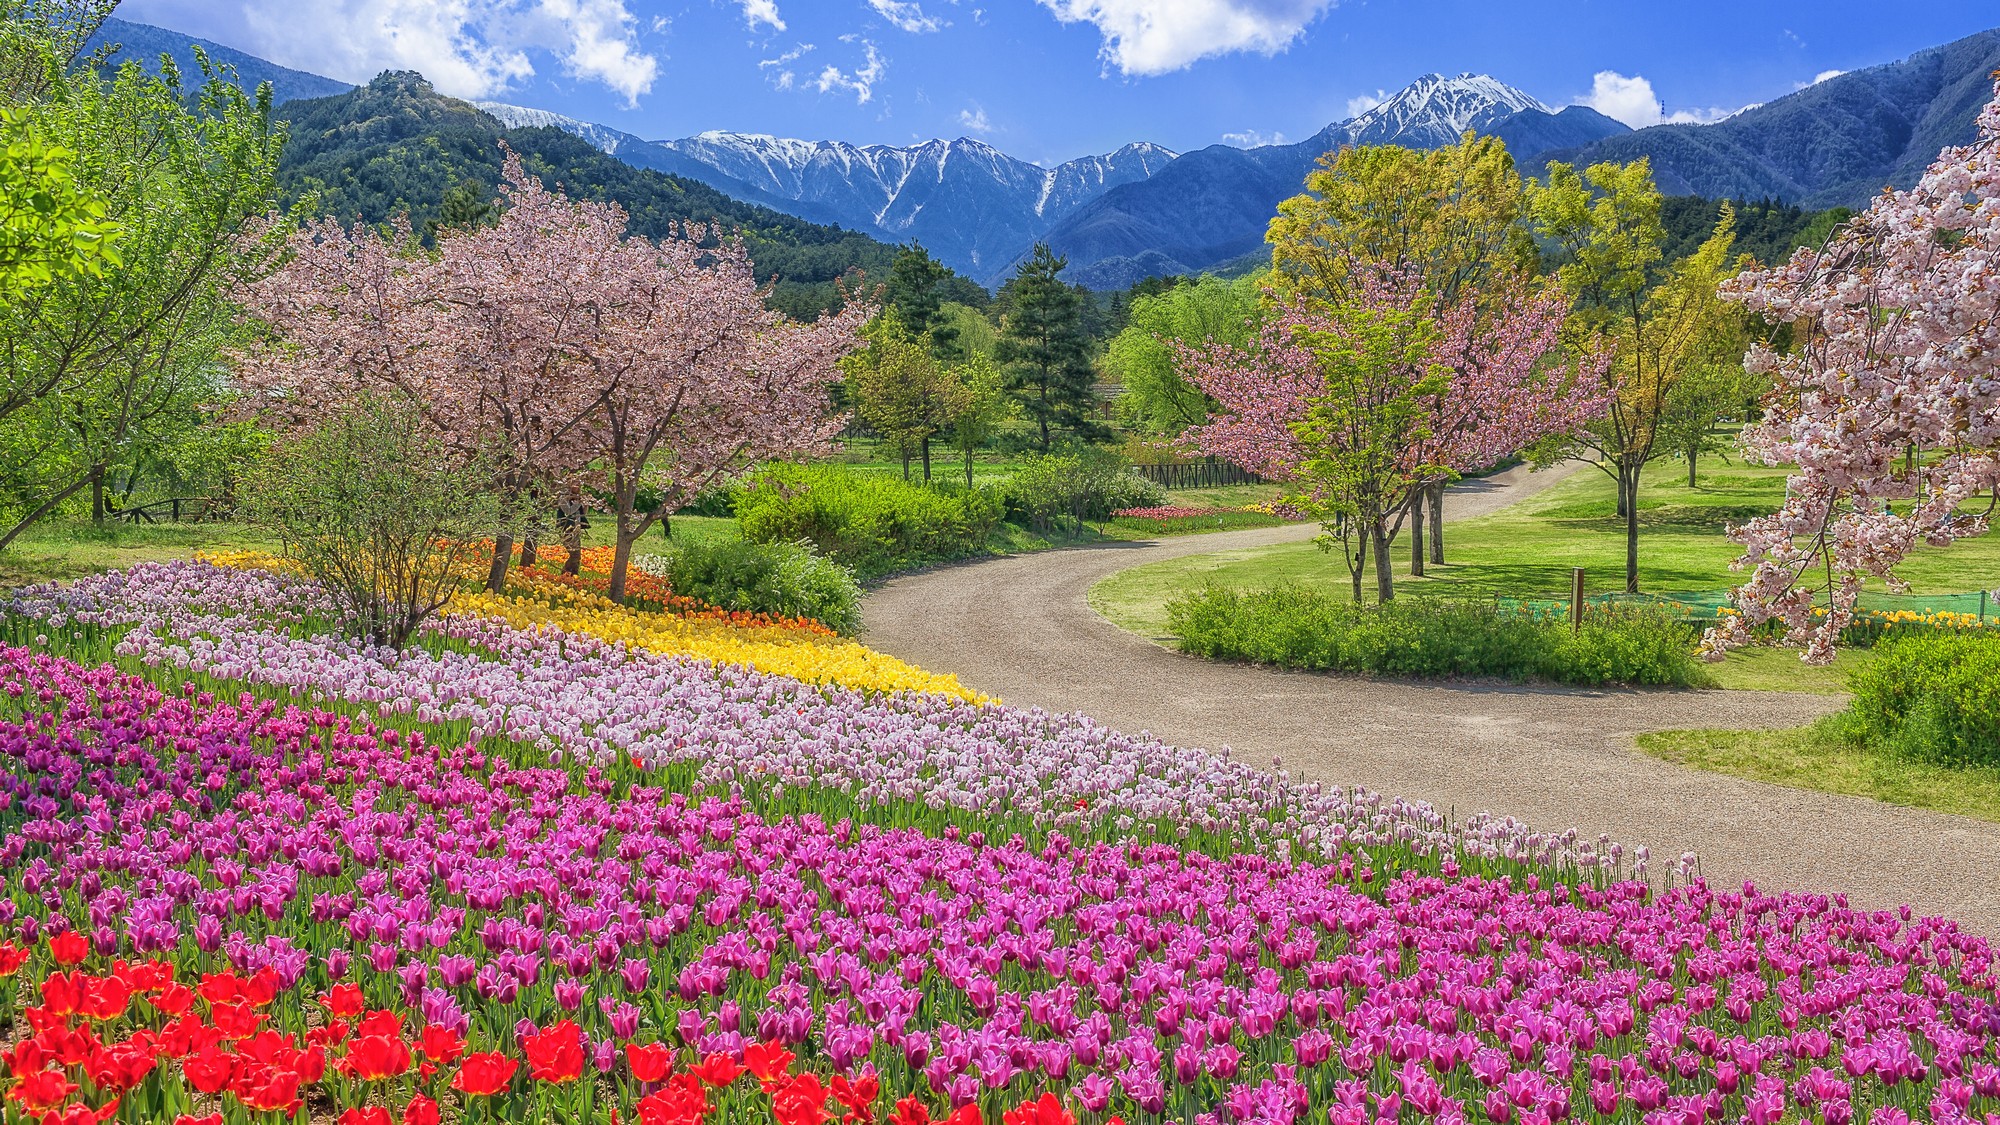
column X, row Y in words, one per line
column 1020, row 628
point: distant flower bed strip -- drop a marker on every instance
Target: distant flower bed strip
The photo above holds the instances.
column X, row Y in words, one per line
column 591, row 700
column 803, row 650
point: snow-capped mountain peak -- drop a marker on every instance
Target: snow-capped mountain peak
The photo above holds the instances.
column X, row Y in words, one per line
column 1435, row 110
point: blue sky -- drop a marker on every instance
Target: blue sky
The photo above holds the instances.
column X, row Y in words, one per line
column 1051, row 79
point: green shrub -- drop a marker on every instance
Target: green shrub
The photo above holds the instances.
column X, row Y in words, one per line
column 785, row 579
column 874, row 523
column 1086, row 484
column 1295, row 627
column 1934, row 696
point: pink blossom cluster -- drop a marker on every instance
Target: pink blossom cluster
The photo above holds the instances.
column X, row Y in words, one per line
column 1889, row 405
column 496, row 894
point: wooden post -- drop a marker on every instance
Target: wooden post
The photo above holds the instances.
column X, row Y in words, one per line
column 1576, row 600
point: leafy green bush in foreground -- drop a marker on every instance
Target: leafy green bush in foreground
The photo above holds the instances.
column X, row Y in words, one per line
column 1934, row 696
column 1295, row 627
column 872, row 522
column 782, row 579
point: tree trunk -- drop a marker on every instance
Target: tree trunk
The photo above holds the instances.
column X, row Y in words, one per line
column 1417, row 500
column 97, row 495
column 503, row 554
column 574, row 563
column 1628, row 489
column 1357, row 564
column 927, row 458
column 1436, row 500
column 47, row 506
column 531, row 549
column 1385, row 577
column 1691, row 457
column 621, row 560
column 906, row 464
column 968, row 468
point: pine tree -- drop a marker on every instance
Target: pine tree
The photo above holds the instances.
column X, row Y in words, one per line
column 1045, row 349
column 916, row 291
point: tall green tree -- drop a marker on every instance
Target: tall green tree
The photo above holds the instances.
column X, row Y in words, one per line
column 916, row 291
column 1451, row 220
column 1045, row 350
column 902, row 391
column 1658, row 325
column 94, row 361
column 983, row 407
column 1154, row 396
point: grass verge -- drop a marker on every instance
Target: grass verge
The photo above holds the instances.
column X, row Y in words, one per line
column 1822, row 758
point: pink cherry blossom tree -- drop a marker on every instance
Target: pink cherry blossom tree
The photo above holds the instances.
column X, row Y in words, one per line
column 554, row 347
column 491, row 337
column 699, row 380
column 1888, row 405
column 1364, row 402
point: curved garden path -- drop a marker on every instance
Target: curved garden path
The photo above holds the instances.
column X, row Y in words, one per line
column 1020, row 628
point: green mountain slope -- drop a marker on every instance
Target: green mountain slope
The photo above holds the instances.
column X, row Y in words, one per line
column 398, row 146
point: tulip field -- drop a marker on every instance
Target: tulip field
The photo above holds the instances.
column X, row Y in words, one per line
column 562, row 860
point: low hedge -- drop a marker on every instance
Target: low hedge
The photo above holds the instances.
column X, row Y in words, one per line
column 1297, row 627
column 873, row 523
column 1934, row 696
column 779, row 579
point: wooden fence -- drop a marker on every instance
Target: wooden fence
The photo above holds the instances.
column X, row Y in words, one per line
column 191, row 509
column 1200, row 474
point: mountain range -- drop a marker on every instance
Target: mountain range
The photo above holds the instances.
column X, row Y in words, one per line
column 1143, row 210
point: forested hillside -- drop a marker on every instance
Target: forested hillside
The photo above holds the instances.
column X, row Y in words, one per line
column 397, row 146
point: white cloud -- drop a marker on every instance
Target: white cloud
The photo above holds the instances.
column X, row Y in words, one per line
column 975, row 119
column 860, row 82
column 1631, row 99
column 779, row 70
column 1362, row 103
column 1824, row 75
column 762, row 13
column 906, row 15
column 1147, row 37
column 1252, row 138
column 467, row 48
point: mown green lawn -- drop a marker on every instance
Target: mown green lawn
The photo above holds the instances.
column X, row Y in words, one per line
column 1818, row 758
column 1528, row 550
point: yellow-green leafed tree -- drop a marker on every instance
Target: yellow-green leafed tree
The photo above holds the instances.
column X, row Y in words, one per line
column 1453, row 219
column 902, row 391
column 1660, row 323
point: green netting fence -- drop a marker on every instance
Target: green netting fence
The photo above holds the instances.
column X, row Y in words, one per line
column 1879, row 613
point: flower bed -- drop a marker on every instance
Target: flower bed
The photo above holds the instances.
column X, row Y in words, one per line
column 557, row 917
column 505, row 834
column 795, row 647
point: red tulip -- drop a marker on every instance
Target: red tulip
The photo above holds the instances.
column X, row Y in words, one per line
column 12, row 957
column 372, row 1115
column 42, row 1090
column 421, row 1111
column 555, row 1055
column 69, row 948
column 1045, row 1110
column 857, row 1095
column 442, row 1044
column 273, row 1091
column 81, row 1114
column 172, row 999
column 191, row 1119
column 683, row 1102
column 343, row 1001
column 105, row 998
column 235, row 1021
column 650, row 1062
column 767, row 1060
column 801, row 1100
column 910, row 1111
column 375, row 1057
column 210, row 1070
column 717, row 1070
column 486, row 1073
